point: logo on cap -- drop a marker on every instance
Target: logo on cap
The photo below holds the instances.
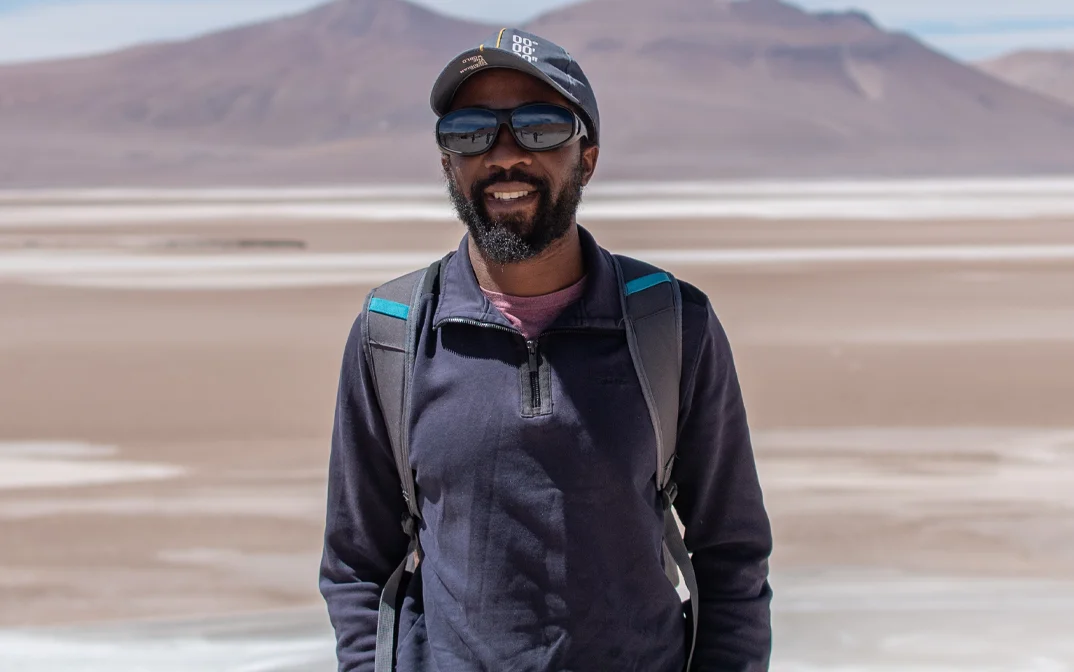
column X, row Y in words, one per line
column 524, row 47
column 473, row 63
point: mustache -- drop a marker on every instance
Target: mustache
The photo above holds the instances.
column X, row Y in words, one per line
column 514, row 175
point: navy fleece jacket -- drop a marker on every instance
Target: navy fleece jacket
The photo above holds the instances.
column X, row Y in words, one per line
column 541, row 525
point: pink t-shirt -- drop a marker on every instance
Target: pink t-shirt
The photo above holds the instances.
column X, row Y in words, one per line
column 531, row 314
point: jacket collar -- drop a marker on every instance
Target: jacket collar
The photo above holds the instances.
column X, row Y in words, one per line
column 461, row 297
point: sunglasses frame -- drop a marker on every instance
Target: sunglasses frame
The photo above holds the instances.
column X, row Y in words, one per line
column 504, row 116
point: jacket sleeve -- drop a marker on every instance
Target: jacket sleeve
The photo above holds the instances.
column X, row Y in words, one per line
column 364, row 541
column 720, row 505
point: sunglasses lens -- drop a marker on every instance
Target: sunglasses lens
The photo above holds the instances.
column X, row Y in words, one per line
column 467, row 131
column 539, row 127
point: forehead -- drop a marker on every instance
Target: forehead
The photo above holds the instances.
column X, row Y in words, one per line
column 501, row 88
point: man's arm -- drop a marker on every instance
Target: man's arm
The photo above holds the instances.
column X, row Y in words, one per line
column 720, row 505
column 364, row 541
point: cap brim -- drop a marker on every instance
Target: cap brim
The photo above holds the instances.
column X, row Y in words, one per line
column 460, row 69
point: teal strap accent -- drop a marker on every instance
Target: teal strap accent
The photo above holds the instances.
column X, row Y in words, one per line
column 389, row 308
column 645, row 282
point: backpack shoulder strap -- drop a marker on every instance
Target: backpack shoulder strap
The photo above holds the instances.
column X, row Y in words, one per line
column 394, row 312
column 391, row 315
column 652, row 316
column 652, row 311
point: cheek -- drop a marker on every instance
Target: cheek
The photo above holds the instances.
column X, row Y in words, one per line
column 559, row 173
column 463, row 175
column 563, row 164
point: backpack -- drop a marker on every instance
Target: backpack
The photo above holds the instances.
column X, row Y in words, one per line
column 652, row 306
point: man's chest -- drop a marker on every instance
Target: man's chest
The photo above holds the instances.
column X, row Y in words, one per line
column 564, row 412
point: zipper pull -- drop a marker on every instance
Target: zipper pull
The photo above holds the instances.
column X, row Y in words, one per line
column 531, row 347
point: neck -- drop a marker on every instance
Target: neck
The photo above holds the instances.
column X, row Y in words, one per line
column 558, row 267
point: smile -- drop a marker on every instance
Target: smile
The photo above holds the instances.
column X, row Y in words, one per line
column 510, row 195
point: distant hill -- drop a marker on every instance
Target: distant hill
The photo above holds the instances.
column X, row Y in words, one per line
column 1048, row 72
column 689, row 89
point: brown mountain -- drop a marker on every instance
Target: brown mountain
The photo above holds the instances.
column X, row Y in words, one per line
column 688, row 89
column 322, row 96
column 1048, row 72
column 761, row 86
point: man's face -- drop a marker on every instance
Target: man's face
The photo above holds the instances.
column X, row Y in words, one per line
column 512, row 229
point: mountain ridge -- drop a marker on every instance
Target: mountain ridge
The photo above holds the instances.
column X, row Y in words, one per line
column 689, row 89
column 1049, row 72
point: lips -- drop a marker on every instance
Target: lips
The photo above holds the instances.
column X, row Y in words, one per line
column 510, row 201
column 504, row 189
column 509, row 193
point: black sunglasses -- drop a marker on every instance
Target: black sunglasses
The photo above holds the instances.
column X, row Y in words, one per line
column 536, row 128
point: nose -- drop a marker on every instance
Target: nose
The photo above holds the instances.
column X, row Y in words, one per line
column 505, row 152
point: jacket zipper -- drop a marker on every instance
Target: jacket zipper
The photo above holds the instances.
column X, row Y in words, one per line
column 560, row 330
column 531, row 348
column 477, row 323
column 535, row 380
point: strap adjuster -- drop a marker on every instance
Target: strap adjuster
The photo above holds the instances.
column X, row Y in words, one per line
column 410, row 525
column 668, row 494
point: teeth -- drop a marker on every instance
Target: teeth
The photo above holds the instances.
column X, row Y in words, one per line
column 510, row 195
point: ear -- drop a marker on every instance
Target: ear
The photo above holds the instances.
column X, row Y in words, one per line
column 589, row 162
column 445, row 162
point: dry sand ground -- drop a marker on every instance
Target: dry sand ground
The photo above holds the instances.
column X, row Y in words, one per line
column 914, row 426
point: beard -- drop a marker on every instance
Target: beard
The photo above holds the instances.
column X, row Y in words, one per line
column 513, row 238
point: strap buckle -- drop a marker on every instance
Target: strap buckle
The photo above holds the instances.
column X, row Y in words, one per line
column 668, row 494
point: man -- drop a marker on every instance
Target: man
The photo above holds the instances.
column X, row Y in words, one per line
column 540, row 521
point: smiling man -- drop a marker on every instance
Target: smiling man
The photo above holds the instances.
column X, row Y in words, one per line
column 530, row 408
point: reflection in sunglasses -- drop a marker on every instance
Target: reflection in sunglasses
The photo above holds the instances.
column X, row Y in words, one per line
column 535, row 127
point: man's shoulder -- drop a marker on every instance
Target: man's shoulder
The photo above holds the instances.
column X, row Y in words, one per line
column 692, row 296
column 698, row 315
column 700, row 323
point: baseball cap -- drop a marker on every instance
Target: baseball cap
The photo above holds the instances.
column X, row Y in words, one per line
column 527, row 53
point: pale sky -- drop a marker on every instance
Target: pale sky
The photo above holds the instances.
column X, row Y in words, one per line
column 35, row 29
